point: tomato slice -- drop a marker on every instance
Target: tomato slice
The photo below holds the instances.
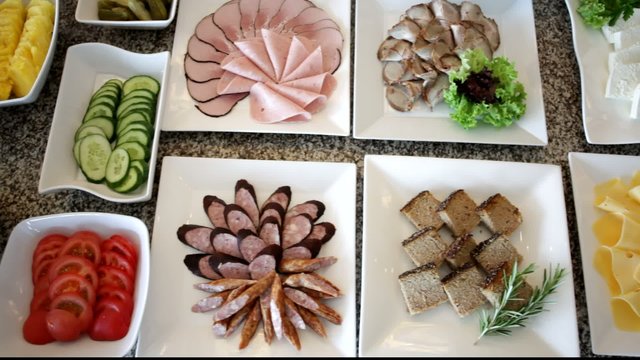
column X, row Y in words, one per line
column 109, row 275
column 40, row 301
column 82, row 247
column 54, row 244
column 56, row 238
column 87, row 235
column 76, row 305
column 76, row 265
column 64, row 325
column 113, row 259
column 110, row 325
column 114, row 303
column 41, row 285
column 70, row 282
column 42, row 270
column 34, row 329
column 48, row 254
column 121, row 246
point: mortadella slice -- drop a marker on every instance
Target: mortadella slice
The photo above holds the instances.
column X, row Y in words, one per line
column 248, row 13
column 227, row 18
column 311, row 65
column 295, row 229
column 277, row 46
column 201, row 71
column 196, row 236
column 246, row 198
column 255, row 50
column 309, row 101
column 220, row 105
column 268, row 106
column 324, row 84
column 211, row 34
column 203, row 91
column 224, row 241
column 203, row 52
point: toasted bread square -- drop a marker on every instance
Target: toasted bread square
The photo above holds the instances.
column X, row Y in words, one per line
column 499, row 214
column 422, row 289
column 421, row 211
column 493, row 252
column 425, row 246
column 464, row 289
column 458, row 212
column 459, row 252
column 494, row 286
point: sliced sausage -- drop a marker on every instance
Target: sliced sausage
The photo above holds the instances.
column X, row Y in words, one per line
column 312, row 304
column 250, row 244
column 295, row 229
column 196, row 236
column 222, row 285
column 238, row 318
column 273, row 211
column 265, row 309
column 296, row 252
column 201, row 51
column 305, row 265
column 214, row 208
column 211, row 34
column 221, row 105
column 248, row 296
column 200, row 265
column 238, row 219
column 313, row 281
column 224, row 241
column 220, row 326
column 204, row 91
column 250, row 326
column 265, row 262
column 246, row 198
column 313, row 208
column 277, row 307
column 290, row 332
column 282, row 196
column 229, row 266
column 322, row 231
column 312, row 245
column 270, row 231
column 291, row 309
column 210, row 302
column 313, row 321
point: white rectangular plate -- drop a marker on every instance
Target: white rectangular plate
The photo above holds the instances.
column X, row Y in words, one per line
column 387, row 329
column 86, row 68
column 17, row 287
column 182, row 114
column 87, row 13
column 169, row 327
column 588, row 170
column 375, row 119
column 605, row 121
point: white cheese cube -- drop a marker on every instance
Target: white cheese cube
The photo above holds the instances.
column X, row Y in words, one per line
column 621, row 25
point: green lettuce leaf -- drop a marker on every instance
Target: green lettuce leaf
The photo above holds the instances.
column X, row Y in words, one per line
column 510, row 93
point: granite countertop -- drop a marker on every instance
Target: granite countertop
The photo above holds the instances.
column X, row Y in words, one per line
column 25, row 129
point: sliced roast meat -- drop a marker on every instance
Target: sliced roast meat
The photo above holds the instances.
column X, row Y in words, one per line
column 422, row 49
column 220, row 105
column 238, row 219
column 448, row 63
column 265, row 262
column 421, row 14
column 222, row 285
column 309, row 101
column 310, row 244
column 210, row 33
column 230, row 267
column 224, row 241
column 313, row 208
column 332, row 43
column 472, row 12
column 295, row 229
column 203, row 52
column 394, row 50
column 245, row 298
column 394, row 71
column 270, row 230
column 406, row 29
column 196, row 236
column 288, row 10
column 250, row 326
column 204, row 91
column 267, row 106
column 313, row 321
column 398, row 98
column 227, row 18
column 305, row 265
column 201, row 71
column 250, row 244
column 246, row 198
column 277, row 46
column 433, row 93
column 313, row 281
column 318, row 308
column 281, row 196
column 214, row 208
column 324, row 84
column 256, row 51
column 266, row 11
column 211, row 302
column 248, row 13
column 480, row 43
column 445, row 10
column 265, row 309
column 291, row 309
column 322, row 231
column 231, row 83
column 200, row 265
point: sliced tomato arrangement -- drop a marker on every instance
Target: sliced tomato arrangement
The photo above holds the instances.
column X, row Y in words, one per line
column 82, row 284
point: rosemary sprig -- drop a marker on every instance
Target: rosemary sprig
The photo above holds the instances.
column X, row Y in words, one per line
column 501, row 321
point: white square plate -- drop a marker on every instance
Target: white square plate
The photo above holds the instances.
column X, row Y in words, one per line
column 17, row 287
column 588, row 170
column 375, row 119
column 387, row 329
column 86, row 68
column 87, row 13
column 169, row 327
column 182, row 114
column 605, row 121
column 44, row 70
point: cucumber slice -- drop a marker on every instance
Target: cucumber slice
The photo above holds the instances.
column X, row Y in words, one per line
column 94, row 152
column 131, row 182
column 106, row 99
column 141, row 82
column 136, row 150
column 115, row 82
column 129, row 103
column 104, row 123
column 117, row 167
column 141, row 106
column 142, row 165
column 98, row 110
column 76, row 152
column 144, row 93
column 137, row 125
column 134, row 135
column 106, row 91
column 86, row 130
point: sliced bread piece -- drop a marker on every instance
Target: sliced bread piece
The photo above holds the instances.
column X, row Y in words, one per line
column 464, row 289
column 425, row 246
column 459, row 252
column 499, row 214
column 494, row 286
column 422, row 289
column 458, row 212
column 421, row 211
column 493, row 252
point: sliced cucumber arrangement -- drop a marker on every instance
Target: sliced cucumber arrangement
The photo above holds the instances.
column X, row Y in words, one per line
column 113, row 143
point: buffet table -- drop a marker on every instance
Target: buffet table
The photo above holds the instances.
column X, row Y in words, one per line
column 25, row 130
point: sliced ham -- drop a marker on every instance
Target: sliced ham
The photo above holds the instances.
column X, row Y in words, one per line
column 203, row 91
column 324, row 84
column 248, row 13
column 221, row 105
column 298, row 52
column 243, row 66
column 231, row 83
column 227, row 18
column 307, row 16
column 266, row 11
column 211, row 34
column 268, row 106
column 255, row 50
column 277, row 46
column 311, row 65
column 201, row 71
column 331, row 41
column 203, row 52
column 320, row 24
column 309, row 101
column 288, row 10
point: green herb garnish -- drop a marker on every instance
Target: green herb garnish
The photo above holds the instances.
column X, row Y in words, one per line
column 505, row 103
column 597, row 13
column 501, row 321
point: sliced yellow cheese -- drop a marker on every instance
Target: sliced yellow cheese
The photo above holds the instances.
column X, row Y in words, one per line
column 613, row 188
column 634, row 193
column 608, row 228
column 636, row 274
column 635, row 179
column 629, row 235
column 624, row 317
column 623, row 265
column 602, row 264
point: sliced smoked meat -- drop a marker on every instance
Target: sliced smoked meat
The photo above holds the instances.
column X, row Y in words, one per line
column 295, row 229
column 248, row 13
column 238, row 219
column 196, row 236
column 221, row 105
column 224, row 241
column 227, row 18
column 332, row 42
column 210, row 33
column 313, row 208
column 203, row 52
column 288, row 10
column 246, row 198
column 203, row 91
column 266, row 10
column 268, row 106
column 201, row 71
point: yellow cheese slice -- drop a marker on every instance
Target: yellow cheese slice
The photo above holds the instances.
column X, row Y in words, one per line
column 629, row 235
column 624, row 317
column 623, row 265
column 603, row 265
column 634, row 193
column 608, row 228
column 613, row 188
column 635, row 179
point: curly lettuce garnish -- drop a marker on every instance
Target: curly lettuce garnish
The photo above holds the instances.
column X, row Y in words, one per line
column 504, row 105
column 597, row 13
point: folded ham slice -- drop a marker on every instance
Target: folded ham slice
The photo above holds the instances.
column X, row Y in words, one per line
column 308, row 100
column 256, row 51
column 277, row 46
column 268, row 106
column 323, row 84
column 311, row 65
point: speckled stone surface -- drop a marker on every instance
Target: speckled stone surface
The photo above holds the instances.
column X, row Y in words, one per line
column 24, row 131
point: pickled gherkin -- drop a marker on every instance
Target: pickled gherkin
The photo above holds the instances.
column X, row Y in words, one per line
column 124, row 10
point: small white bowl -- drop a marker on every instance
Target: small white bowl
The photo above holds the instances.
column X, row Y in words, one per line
column 44, row 70
column 87, row 13
column 17, row 287
column 86, row 68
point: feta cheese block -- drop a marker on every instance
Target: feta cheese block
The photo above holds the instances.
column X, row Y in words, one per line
column 635, row 104
column 621, row 25
column 627, row 38
column 622, row 81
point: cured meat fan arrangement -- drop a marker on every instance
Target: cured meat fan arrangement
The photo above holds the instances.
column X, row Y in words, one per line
column 277, row 52
column 261, row 263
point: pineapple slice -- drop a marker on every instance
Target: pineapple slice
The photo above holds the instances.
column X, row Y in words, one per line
column 12, row 4
column 5, row 89
column 41, row 8
column 23, row 74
